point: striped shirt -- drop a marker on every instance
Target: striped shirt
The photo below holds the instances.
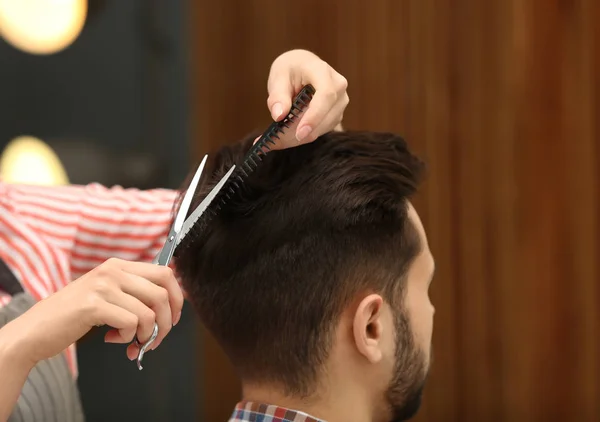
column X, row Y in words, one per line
column 50, row 236
column 259, row 412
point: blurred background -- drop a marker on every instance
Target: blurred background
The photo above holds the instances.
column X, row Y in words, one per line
column 501, row 98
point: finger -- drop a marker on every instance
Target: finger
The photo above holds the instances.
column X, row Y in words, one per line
column 145, row 316
column 320, row 77
column 331, row 90
column 124, row 323
column 154, row 297
column 133, row 351
column 161, row 276
column 330, row 121
column 115, row 336
column 281, row 91
column 319, row 107
column 288, row 139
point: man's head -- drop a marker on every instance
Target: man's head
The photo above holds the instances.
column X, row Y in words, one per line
column 314, row 276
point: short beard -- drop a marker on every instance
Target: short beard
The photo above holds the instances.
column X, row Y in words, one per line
column 410, row 373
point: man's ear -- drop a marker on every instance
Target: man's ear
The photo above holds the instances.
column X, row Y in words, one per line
column 368, row 327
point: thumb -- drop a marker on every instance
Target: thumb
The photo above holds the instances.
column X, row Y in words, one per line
column 280, row 97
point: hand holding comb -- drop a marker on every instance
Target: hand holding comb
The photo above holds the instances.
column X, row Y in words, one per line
column 252, row 159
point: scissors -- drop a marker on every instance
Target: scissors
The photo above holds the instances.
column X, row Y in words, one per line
column 181, row 226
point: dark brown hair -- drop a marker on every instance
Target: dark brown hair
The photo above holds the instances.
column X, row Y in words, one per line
column 314, row 226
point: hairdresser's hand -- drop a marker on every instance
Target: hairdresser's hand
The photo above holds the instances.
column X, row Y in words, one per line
column 127, row 296
column 289, row 73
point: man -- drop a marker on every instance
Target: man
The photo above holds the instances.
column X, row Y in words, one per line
column 314, row 279
column 50, row 236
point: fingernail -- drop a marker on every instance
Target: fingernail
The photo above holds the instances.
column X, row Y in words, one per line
column 177, row 318
column 256, row 140
column 276, row 110
column 303, row 133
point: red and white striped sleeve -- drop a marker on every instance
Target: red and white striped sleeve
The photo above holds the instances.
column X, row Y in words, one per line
column 93, row 223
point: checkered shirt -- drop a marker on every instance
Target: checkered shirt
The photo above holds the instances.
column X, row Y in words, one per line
column 258, row 412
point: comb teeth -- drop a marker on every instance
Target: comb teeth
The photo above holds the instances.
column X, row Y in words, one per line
column 259, row 150
column 270, row 136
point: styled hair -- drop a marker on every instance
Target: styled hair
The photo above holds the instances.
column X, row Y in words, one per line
column 311, row 228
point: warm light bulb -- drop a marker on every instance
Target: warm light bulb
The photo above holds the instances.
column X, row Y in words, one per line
column 42, row 26
column 28, row 160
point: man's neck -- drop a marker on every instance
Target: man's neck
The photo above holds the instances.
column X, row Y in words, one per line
column 329, row 407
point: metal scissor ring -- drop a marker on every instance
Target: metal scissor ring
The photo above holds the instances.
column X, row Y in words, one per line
column 144, row 347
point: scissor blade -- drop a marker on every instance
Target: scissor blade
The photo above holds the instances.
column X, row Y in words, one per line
column 191, row 220
column 187, row 199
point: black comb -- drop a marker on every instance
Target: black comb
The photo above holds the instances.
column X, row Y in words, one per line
column 262, row 147
column 250, row 163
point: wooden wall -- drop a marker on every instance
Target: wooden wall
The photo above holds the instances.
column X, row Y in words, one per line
column 502, row 99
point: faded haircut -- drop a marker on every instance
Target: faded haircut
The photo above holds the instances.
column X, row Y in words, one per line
column 312, row 227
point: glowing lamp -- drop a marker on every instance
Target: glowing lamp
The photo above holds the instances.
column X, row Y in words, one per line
column 42, row 26
column 28, row 160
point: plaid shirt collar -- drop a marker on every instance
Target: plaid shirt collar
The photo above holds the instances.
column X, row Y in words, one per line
column 258, row 412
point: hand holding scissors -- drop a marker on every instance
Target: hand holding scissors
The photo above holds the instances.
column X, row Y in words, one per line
column 179, row 229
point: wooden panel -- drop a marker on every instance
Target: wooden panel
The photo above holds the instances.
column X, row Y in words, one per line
column 501, row 99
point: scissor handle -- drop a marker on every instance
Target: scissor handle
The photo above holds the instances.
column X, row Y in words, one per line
column 144, row 347
column 163, row 258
